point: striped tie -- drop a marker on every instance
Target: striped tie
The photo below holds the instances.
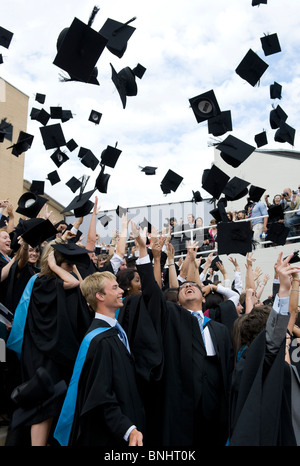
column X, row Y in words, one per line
column 122, row 335
column 200, row 322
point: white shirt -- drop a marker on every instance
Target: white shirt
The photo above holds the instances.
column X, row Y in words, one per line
column 210, row 350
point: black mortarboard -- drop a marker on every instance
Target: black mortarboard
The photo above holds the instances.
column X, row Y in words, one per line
column 37, row 230
column 196, row 197
column 95, row 117
column 275, row 90
column 205, row 106
column 105, row 219
column 235, row 189
column 29, row 204
column 5, row 37
column 90, row 160
column 73, row 184
column 275, row 211
column 117, row 35
column 71, row 145
column 53, row 177
column 148, row 170
column 219, row 213
column 6, row 130
column 40, row 115
column 255, row 193
column 234, row 151
column 220, row 124
column 261, row 139
column 234, row 238
column 214, row 181
column 170, row 182
column 214, row 263
column 37, row 187
column 53, row 136
column 56, row 113
column 78, row 50
column 294, row 259
column 277, row 115
column 251, row 68
column 121, row 211
column 66, row 115
column 102, row 181
column 59, row 157
column 285, row 133
column 277, row 233
column 40, row 98
column 109, row 156
column 125, row 81
column 258, row 2
column 73, row 253
column 22, row 145
column 81, row 204
column 270, row 44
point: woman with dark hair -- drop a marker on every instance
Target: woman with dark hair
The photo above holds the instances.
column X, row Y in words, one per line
column 129, row 281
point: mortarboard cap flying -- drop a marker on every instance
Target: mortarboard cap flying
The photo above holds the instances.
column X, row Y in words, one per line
column 205, row 106
column 40, row 115
column 258, row 2
column 251, row 68
column 109, row 156
column 5, row 37
column 78, row 50
column 170, row 182
column 59, row 157
column 40, row 98
column 81, row 204
column 95, row 117
column 90, row 160
column 196, row 197
column 102, row 181
column 275, row 211
column 121, row 211
column 234, row 151
column 37, row 187
column 6, row 130
column 220, row 124
column 56, row 113
column 275, row 90
column 53, row 177
column 235, row 189
column 73, row 184
column 270, row 44
column 277, row 115
column 285, row 133
column 234, row 238
column 125, row 81
column 53, row 136
column 71, row 145
column 105, row 219
column 30, row 204
column 37, row 230
column 117, row 35
column 277, row 233
column 22, row 145
column 148, row 170
column 214, row 181
column 255, row 193
column 261, row 139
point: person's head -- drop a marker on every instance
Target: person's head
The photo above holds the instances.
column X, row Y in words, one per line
column 286, row 193
column 102, row 259
column 94, row 257
column 229, row 216
column 129, row 280
column 241, row 214
column 190, row 296
column 34, row 255
column 102, row 292
column 61, row 260
column 213, row 222
column 212, row 300
column 171, row 294
column 199, row 222
column 190, row 218
column 173, row 221
column 5, row 242
column 277, row 199
column 254, row 323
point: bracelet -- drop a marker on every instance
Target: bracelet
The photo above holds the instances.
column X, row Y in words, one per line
column 294, row 290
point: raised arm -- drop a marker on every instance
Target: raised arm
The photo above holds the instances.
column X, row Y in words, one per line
column 91, row 236
column 69, row 281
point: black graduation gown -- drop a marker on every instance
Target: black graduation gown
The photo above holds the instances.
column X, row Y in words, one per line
column 108, row 401
column 17, row 281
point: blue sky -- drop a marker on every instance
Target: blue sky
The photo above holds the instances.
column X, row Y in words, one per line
column 187, row 48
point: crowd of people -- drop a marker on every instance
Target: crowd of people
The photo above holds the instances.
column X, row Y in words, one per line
column 135, row 346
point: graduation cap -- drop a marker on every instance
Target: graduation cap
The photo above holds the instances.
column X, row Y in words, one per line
column 219, row 213
column 146, row 224
column 73, row 253
column 196, row 197
column 275, row 90
column 95, row 117
column 78, row 50
column 37, row 230
column 275, row 212
column 105, row 219
column 205, row 106
column 234, row 151
column 214, row 181
column 110, row 155
column 270, row 44
column 277, row 115
column 102, row 181
column 6, row 130
column 148, row 170
column 59, row 157
column 125, row 81
column 121, row 211
column 285, row 133
column 56, row 113
column 170, row 182
column 73, row 184
column 220, row 124
column 40, row 98
column 35, row 394
column 53, row 136
column 295, row 258
column 5, row 37
column 117, row 35
column 37, row 187
column 90, row 160
column 258, row 2
column 53, row 177
column 29, row 204
column 22, row 145
column 235, row 189
column 261, row 139
column 251, row 68
column 255, row 193
column 71, row 145
column 277, row 233
column 40, row 115
column 81, row 204
column 66, row 115
column 234, row 238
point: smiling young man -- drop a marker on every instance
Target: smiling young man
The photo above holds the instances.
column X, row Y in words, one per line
column 107, row 409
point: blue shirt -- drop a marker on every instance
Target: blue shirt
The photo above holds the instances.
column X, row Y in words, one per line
column 258, row 210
